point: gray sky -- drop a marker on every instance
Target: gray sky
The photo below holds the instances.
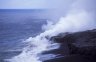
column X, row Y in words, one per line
column 22, row 4
column 31, row 4
column 41, row 4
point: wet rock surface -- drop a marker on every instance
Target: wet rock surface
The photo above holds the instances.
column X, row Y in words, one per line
column 75, row 47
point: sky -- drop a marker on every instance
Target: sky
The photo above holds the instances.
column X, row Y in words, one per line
column 22, row 4
column 61, row 5
column 36, row 4
column 32, row 4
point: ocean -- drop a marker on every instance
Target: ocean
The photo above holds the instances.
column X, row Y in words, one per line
column 15, row 27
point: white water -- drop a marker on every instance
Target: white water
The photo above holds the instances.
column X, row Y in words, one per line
column 36, row 46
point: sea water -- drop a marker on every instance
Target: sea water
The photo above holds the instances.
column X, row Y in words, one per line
column 15, row 27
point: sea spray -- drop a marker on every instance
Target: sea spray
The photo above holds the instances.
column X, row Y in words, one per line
column 36, row 46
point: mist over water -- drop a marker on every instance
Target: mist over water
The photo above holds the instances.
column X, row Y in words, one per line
column 75, row 20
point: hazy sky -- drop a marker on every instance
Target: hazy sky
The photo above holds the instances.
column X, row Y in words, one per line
column 30, row 4
column 38, row 4
column 22, row 4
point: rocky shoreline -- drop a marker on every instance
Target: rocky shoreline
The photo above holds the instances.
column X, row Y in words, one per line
column 75, row 47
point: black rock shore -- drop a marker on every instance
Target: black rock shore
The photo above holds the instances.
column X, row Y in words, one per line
column 75, row 47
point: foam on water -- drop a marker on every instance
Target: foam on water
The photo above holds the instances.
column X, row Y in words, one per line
column 36, row 46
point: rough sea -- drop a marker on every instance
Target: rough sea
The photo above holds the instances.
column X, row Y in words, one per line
column 15, row 27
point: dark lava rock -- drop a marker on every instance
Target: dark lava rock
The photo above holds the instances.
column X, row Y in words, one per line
column 79, row 41
column 80, row 44
column 71, row 58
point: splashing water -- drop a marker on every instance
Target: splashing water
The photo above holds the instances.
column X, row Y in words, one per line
column 36, row 46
